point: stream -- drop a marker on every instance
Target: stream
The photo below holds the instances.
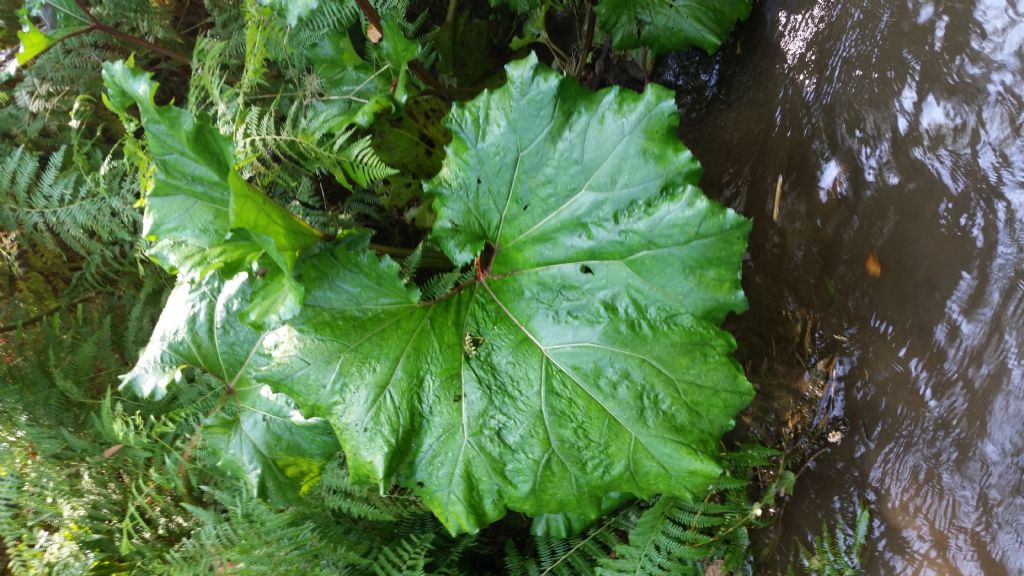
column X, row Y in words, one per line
column 896, row 253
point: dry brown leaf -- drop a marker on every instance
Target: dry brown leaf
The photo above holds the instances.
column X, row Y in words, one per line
column 373, row 34
column 873, row 265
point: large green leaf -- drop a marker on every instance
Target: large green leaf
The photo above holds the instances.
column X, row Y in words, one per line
column 267, row 442
column 356, row 88
column 70, row 21
column 259, row 435
column 190, row 197
column 414, row 141
column 661, row 25
column 666, row 25
column 584, row 360
column 33, row 42
column 200, row 215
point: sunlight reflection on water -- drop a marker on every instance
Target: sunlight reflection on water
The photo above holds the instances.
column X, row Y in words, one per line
column 917, row 109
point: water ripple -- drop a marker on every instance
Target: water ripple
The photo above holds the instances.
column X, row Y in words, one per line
column 899, row 127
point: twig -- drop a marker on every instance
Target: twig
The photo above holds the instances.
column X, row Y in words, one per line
column 421, row 72
column 588, row 40
column 193, row 442
column 144, row 44
column 181, row 20
column 97, row 26
column 810, row 461
column 562, row 57
column 42, row 315
column 78, row 32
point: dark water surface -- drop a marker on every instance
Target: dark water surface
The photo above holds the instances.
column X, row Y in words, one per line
column 897, row 130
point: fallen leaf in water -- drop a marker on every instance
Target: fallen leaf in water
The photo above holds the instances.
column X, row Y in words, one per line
column 873, row 265
column 373, row 34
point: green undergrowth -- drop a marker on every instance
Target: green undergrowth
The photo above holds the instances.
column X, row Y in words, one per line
column 382, row 287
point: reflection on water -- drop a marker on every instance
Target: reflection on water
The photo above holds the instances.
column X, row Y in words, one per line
column 897, row 129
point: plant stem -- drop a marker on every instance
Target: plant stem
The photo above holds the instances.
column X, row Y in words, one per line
column 78, row 32
column 588, row 41
column 421, row 72
column 85, row 10
column 97, row 26
column 450, row 17
column 431, row 258
column 143, row 43
column 371, row 14
column 190, row 447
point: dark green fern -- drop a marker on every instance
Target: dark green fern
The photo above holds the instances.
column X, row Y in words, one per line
column 51, row 207
column 674, row 536
column 835, row 553
column 547, row 556
column 443, row 283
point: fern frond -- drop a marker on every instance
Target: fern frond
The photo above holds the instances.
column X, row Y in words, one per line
column 226, row 21
column 94, row 481
column 264, row 36
column 57, row 210
column 335, row 492
column 209, row 89
column 749, row 456
column 406, row 558
column 153, row 21
column 411, row 264
column 357, row 163
column 675, row 536
column 303, row 142
column 445, row 282
column 330, row 16
column 567, row 557
column 251, row 537
column 363, row 206
column 835, row 553
column 661, row 543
